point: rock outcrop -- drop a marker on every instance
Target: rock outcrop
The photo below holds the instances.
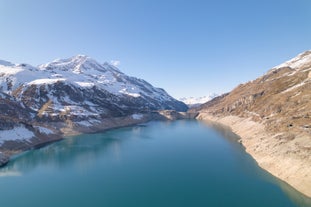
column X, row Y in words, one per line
column 3, row 159
column 272, row 114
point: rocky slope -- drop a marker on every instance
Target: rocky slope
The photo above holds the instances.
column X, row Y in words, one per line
column 272, row 114
column 70, row 96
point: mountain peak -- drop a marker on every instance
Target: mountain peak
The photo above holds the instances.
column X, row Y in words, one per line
column 81, row 56
column 196, row 101
column 78, row 59
column 81, row 59
column 76, row 64
column 83, row 73
column 300, row 62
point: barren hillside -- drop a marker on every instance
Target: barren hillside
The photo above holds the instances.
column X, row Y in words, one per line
column 272, row 114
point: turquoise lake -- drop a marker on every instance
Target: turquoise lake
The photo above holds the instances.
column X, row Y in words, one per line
column 162, row 164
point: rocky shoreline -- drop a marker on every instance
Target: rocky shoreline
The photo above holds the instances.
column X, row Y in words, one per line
column 282, row 159
column 64, row 129
column 3, row 159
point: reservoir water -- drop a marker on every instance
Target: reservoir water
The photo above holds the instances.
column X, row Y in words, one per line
column 181, row 163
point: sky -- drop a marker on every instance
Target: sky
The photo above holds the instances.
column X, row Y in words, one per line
column 188, row 47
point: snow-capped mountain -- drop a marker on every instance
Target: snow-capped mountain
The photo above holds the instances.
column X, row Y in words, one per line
column 70, row 96
column 81, row 87
column 196, row 101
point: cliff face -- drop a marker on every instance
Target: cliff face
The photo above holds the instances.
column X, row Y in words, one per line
column 272, row 114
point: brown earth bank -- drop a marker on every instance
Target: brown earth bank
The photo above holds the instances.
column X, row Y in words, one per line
column 272, row 115
column 69, row 128
column 283, row 160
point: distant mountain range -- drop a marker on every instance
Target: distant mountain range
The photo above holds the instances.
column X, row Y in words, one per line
column 197, row 101
column 77, row 93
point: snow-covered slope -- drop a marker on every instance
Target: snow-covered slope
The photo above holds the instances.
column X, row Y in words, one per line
column 81, row 87
column 300, row 62
column 196, row 101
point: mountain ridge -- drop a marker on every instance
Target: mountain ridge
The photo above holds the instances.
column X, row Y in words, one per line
column 70, row 96
column 272, row 115
column 197, row 101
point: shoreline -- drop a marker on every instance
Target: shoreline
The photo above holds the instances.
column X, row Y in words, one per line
column 253, row 136
column 268, row 152
column 71, row 128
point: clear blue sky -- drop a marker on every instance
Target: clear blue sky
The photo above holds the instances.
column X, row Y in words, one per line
column 189, row 48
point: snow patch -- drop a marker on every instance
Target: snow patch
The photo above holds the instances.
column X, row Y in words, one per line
column 137, row 116
column 16, row 134
column 44, row 130
column 9, row 70
column 78, row 111
column 297, row 62
column 89, row 123
column 294, row 87
column 46, row 81
column 195, row 101
column 57, row 75
column 85, row 84
column 124, row 91
column 84, row 123
column 115, row 63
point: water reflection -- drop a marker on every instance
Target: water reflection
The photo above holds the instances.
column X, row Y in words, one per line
column 224, row 130
column 160, row 163
column 294, row 195
column 79, row 151
column 8, row 173
column 297, row 197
